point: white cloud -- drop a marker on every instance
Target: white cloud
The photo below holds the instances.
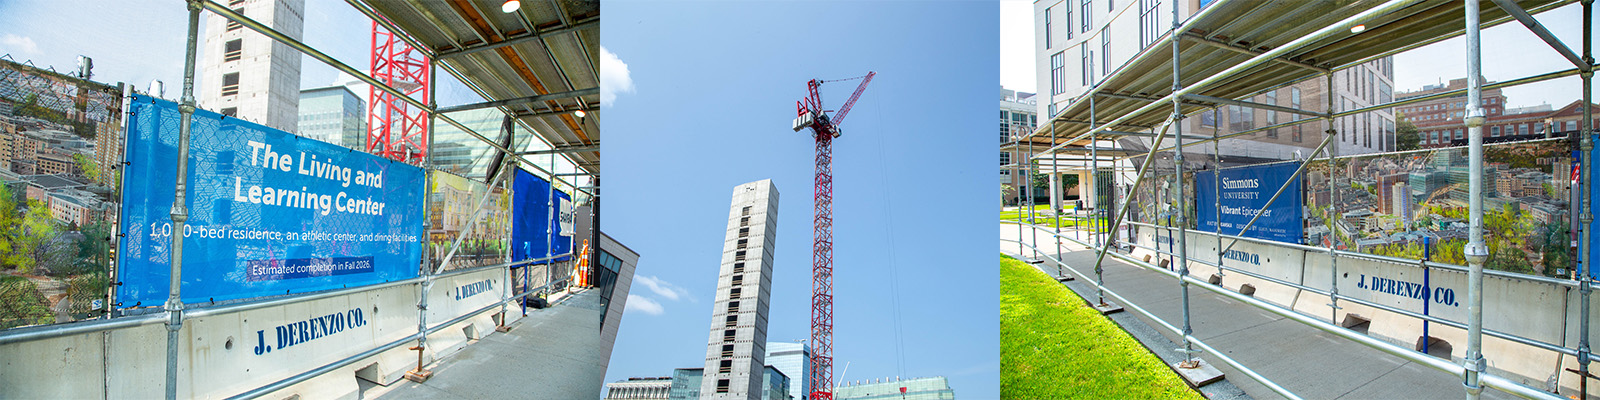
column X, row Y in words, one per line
column 22, row 44
column 614, row 77
column 643, row 304
column 664, row 289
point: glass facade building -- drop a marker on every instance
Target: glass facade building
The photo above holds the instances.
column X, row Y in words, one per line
column 334, row 115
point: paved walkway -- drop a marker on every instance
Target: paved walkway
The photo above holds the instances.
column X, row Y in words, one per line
column 550, row 354
column 1309, row 362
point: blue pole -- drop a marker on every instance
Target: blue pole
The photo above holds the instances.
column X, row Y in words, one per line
column 1427, row 290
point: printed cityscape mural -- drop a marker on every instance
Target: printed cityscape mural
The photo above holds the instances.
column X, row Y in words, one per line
column 60, row 145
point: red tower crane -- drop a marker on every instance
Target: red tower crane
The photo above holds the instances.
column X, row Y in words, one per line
column 395, row 129
column 825, row 129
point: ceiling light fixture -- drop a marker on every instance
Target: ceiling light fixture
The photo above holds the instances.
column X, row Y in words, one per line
column 1353, row 29
column 579, row 113
column 510, row 6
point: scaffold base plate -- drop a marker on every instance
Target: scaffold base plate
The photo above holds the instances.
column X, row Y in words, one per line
column 1066, row 278
column 419, row 376
column 1201, row 374
column 1106, row 309
column 1033, row 261
column 503, row 328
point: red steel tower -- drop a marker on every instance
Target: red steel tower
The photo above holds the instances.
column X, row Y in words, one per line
column 395, row 129
column 825, row 129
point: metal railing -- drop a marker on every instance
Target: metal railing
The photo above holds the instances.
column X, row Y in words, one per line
column 1497, row 382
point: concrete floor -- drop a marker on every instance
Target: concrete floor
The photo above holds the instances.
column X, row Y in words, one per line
column 550, row 354
column 1308, row 362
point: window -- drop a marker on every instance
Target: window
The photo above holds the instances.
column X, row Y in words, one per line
column 725, row 367
column 1572, row 125
column 1208, row 118
column 746, row 209
column 1005, row 159
column 233, row 50
column 1459, row 135
column 1088, row 65
column 1105, row 52
column 728, row 335
column 1240, row 118
column 1494, row 131
column 1047, row 31
column 1272, row 116
column 727, row 350
column 1538, row 127
column 735, row 293
column 1068, row 18
column 230, row 84
column 1087, row 11
column 1149, row 22
column 722, row 386
column 1058, row 76
column 1522, row 129
column 231, row 111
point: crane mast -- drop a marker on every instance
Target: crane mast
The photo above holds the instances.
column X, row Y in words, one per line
column 824, row 129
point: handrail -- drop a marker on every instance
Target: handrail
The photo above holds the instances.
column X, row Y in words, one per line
column 32, row 333
column 1411, row 355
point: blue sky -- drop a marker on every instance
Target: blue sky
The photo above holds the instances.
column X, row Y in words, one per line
column 715, row 85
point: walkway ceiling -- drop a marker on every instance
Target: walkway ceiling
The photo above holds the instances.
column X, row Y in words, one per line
column 1240, row 29
column 547, row 48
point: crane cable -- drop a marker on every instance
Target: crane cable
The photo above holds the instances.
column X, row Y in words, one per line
column 894, row 273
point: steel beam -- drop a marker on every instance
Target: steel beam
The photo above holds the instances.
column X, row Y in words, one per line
column 564, row 150
column 522, row 100
column 1242, row 103
column 1224, row 46
column 1538, row 29
column 1340, row 28
column 519, row 39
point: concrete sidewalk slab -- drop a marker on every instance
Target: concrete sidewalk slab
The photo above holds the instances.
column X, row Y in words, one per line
column 550, row 354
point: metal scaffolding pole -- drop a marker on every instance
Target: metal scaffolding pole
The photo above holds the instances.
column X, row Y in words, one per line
column 1586, row 214
column 180, row 208
column 1094, row 177
column 1031, row 195
column 1058, row 190
column 420, row 374
column 1475, row 251
column 1333, row 210
column 1121, row 211
column 1216, row 160
column 1183, row 235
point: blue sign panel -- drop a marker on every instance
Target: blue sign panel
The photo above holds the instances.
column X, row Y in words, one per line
column 269, row 213
column 1245, row 191
column 535, row 216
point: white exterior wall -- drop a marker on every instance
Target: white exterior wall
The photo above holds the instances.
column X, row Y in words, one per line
column 1120, row 24
column 269, row 72
column 750, row 325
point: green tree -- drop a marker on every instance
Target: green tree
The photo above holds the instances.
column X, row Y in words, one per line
column 1407, row 137
column 21, row 304
column 32, row 240
column 90, row 169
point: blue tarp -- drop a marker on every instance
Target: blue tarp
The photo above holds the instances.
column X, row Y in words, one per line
column 531, row 218
column 269, row 213
column 1246, row 190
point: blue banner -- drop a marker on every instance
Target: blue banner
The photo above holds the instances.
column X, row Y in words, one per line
column 270, row 213
column 532, row 218
column 1245, row 190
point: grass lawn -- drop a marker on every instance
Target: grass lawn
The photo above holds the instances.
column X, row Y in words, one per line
column 1053, row 346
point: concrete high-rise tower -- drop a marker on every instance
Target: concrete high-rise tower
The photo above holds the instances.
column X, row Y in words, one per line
column 251, row 76
column 736, row 350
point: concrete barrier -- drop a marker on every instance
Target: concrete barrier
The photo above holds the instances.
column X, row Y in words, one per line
column 1541, row 311
column 226, row 354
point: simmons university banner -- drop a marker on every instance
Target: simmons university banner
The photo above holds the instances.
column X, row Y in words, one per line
column 269, row 213
column 1244, row 192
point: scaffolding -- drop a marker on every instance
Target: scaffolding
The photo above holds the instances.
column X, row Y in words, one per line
column 1232, row 49
column 570, row 137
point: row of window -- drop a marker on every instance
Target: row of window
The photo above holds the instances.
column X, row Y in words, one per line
column 1149, row 30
